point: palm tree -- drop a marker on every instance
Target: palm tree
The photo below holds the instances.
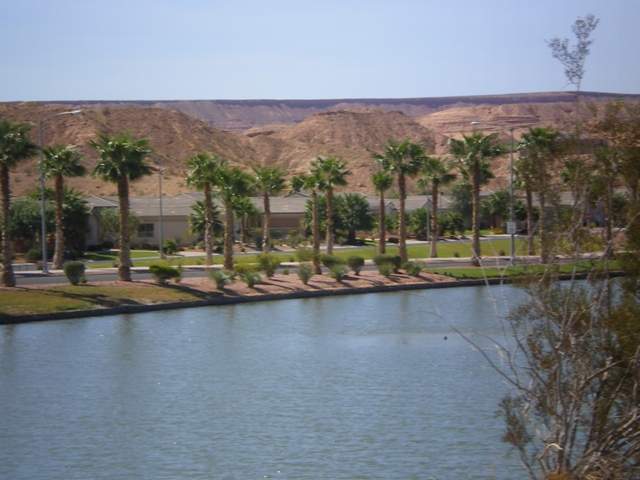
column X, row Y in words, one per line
column 436, row 171
column 244, row 209
column 15, row 146
column 331, row 173
column 310, row 182
column 268, row 181
column 203, row 176
column 122, row 161
column 402, row 159
column 539, row 146
column 382, row 181
column 197, row 220
column 353, row 214
column 525, row 172
column 59, row 162
column 474, row 154
column 232, row 182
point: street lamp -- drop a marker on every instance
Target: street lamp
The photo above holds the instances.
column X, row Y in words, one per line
column 43, row 221
column 160, row 234
column 511, row 225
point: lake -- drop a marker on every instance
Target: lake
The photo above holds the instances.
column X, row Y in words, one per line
column 375, row 386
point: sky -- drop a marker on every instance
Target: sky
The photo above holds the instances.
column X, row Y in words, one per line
column 299, row 49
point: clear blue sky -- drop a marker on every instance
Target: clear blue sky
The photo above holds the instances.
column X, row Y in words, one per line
column 299, row 49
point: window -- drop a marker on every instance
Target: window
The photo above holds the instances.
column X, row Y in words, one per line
column 145, row 230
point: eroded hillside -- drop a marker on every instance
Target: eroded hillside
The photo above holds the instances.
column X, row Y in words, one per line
column 353, row 132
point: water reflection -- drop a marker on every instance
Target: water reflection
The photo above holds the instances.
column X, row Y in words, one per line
column 346, row 387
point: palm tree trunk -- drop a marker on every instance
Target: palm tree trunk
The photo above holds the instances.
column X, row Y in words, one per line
column 329, row 222
column 8, row 278
column 266, row 233
column 402, row 224
column 228, row 234
column 434, row 221
column 382, row 227
column 315, row 233
column 58, row 255
column 529, row 199
column 542, row 229
column 124, row 269
column 475, row 206
column 208, row 225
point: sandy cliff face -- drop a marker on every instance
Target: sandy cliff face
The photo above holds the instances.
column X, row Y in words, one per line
column 287, row 133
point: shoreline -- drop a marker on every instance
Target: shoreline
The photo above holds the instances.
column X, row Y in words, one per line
column 323, row 286
column 279, row 287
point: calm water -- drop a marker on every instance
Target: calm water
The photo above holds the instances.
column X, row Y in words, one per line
column 361, row 387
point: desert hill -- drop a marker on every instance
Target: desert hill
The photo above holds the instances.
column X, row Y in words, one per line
column 241, row 115
column 273, row 132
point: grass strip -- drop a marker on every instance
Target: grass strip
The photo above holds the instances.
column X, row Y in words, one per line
column 21, row 301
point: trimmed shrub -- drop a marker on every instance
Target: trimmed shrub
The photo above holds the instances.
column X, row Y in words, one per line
column 222, row 278
column 305, row 272
column 74, row 271
column 413, row 268
column 388, row 259
column 355, row 263
column 331, row 261
column 338, row 272
column 385, row 269
column 162, row 273
column 268, row 264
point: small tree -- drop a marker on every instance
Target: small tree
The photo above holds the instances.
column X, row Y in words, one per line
column 110, row 224
column 573, row 59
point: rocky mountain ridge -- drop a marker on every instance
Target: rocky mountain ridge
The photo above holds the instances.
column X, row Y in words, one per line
column 288, row 133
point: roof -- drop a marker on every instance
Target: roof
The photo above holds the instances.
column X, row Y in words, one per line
column 181, row 205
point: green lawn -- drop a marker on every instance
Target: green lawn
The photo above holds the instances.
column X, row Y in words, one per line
column 494, row 247
column 15, row 302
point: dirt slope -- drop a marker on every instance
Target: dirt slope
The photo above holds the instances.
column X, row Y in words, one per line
column 350, row 129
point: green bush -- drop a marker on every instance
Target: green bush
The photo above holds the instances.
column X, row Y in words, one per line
column 268, row 264
column 331, row 261
column 35, row 254
column 74, row 272
column 355, row 263
column 162, row 273
column 413, row 268
column 304, row 254
column 338, row 272
column 222, row 278
column 240, row 268
column 170, row 246
column 305, row 272
column 388, row 259
column 385, row 269
column 250, row 277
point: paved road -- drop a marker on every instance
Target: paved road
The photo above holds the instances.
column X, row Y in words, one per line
column 141, row 273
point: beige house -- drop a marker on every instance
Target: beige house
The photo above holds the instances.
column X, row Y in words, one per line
column 171, row 217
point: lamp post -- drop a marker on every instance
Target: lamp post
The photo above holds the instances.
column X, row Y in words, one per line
column 160, row 234
column 43, row 220
column 511, row 225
